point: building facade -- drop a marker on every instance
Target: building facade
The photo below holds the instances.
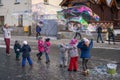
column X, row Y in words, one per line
column 108, row 10
column 15, row 12
column 19, row 12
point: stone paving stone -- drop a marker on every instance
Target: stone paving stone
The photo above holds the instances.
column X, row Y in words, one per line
column 12, row 70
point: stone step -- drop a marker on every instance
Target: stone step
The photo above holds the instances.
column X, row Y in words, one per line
column 70, row 35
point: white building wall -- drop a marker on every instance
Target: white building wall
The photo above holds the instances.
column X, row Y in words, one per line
column 9, row 8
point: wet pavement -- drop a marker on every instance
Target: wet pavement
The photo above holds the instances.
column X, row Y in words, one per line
column 102, row 54
column 10, row 69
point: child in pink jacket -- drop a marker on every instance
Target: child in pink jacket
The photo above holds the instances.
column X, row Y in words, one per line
column 40, row 47
column 47, row 45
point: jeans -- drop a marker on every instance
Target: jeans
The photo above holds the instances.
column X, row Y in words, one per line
column 99, row 36
column 84, row 64
column 77, row 33
column 24, row 61
column 47, row 57
column 38, row 34
column 7, row 42
column 113, row 38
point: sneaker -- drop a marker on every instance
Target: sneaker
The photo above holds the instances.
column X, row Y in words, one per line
column 39, row 58
column 46, row 62
column 65, row 66
column 60, row 66
column 8, row 54
column 75, row 70
column 17, row 59
column 97, row 41
column 37, row 55
column 85, row 73
column 31, row 65
column 69, row 70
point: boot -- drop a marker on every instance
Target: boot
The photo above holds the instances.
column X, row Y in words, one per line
column 85, row 73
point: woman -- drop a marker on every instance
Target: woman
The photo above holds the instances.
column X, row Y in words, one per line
column 7, row 36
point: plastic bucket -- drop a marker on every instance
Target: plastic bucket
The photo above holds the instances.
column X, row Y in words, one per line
column 111, row 68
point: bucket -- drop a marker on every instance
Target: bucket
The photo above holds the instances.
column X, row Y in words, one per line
column 111, row 68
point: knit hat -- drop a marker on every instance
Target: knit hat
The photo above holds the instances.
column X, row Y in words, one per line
column 86, row 40
column 73, row 42
column 25, row 42
column 39, row 37
column 47, row 39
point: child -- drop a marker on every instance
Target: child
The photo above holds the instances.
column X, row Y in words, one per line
column 85, row 46
column 40, row 47
column 17, row 48
column 26, row 54
column 63, row 55
column 73, row 55
column 47, row 49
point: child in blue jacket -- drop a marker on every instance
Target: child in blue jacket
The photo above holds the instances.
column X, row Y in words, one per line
column 85, row 46
column 26, row 54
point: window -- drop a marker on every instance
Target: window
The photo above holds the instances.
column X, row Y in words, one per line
column 46, row 2
column 1, row 20
column 20, row 20
column 1, row 3
column 17, row 1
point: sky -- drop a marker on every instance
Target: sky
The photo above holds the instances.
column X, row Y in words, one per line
column 55, row 2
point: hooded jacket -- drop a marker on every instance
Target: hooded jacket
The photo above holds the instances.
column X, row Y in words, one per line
column 17, row 48
column 47, row 47
column 85, row 51
column 41, row 46
column 25, row 51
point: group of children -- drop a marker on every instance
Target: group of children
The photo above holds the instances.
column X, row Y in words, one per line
column 43, row 47
column 72, row 49
column 25, row 50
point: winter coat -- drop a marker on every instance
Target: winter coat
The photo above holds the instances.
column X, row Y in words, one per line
column 38, row 29
column 110, row 32
column 7, row 32
column 85, row 51
column 40, row 46
column 99, row 30
column 73, row 51
column 47, row 47
column 25, row 51
column 17, row 48
column 63, row 51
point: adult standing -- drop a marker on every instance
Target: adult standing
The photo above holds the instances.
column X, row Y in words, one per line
column 111, row 34
column 99, row 32
column 38, row 30
column 7, row 36
column 77, row 28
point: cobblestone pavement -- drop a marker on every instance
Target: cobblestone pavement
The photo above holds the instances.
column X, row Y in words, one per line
column 12, row 70
column 102, row 54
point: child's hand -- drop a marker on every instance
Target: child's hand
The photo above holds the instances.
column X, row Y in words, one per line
column 18, row 49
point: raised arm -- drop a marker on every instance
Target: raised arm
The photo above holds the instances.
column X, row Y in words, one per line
column 91, row 43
